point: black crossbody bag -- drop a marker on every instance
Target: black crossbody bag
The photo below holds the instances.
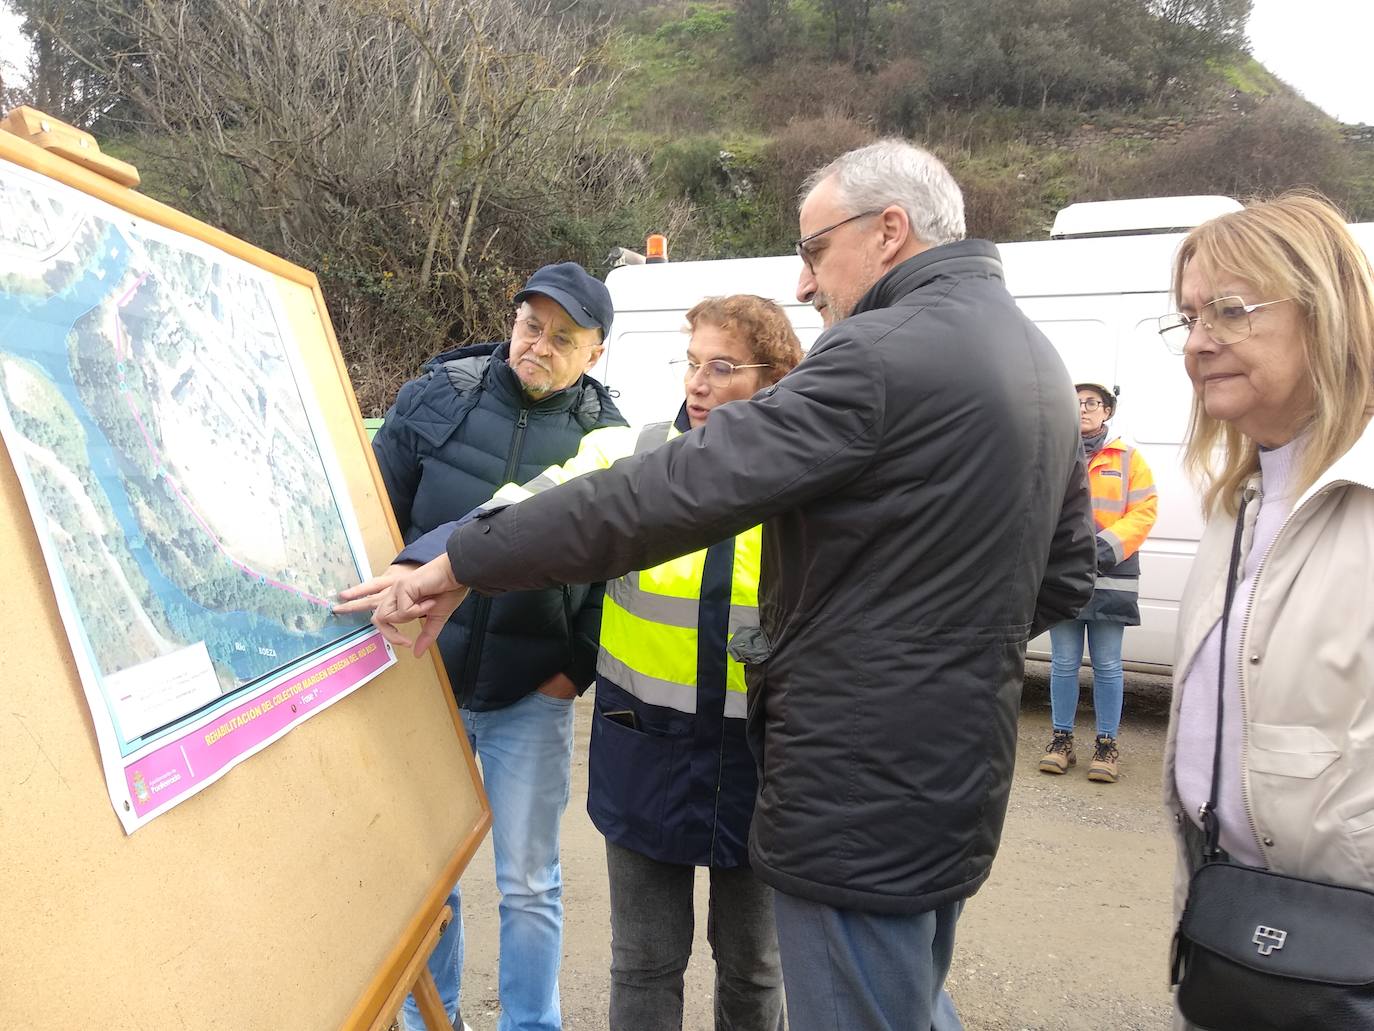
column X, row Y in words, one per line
column 1260, row 951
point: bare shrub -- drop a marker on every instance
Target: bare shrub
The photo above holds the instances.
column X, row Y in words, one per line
column 799, row 90
column 808, row 143
column 994, row 205
column 423, row 156
column 1282, row 143
column 901, row 96
column 676, row 112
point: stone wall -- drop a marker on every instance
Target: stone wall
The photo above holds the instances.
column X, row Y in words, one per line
column 1153, row 130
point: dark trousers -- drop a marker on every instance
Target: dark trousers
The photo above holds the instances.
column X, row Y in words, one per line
column 847, row 970
column 652, row 923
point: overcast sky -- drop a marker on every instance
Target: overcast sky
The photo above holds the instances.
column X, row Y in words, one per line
column 12, row 46
column 1322, row 48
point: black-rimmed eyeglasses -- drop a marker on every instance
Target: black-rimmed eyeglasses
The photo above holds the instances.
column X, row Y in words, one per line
column 803, row 245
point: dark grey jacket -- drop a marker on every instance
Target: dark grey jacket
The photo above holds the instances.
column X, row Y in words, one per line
column 926, row 511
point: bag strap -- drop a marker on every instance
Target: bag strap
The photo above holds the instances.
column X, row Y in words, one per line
column 1211, row 826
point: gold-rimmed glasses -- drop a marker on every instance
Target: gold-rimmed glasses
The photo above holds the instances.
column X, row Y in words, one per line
column 1226, row 320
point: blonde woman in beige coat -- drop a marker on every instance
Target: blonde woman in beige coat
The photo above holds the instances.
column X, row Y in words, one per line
column 1276, row 330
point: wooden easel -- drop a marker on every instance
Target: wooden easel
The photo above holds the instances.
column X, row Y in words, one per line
column 421, row 983
column 301, row 860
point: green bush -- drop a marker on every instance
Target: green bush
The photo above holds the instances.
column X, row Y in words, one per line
column 805, row 145
column 701, row 23
column 690, row 167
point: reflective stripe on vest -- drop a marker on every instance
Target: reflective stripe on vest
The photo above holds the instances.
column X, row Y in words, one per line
column 1107, row 480
column 650, row 620
column 681, row 697
column 1130, row 584
column 661, row 608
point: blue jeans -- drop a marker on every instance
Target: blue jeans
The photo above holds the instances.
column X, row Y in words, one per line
column 1066, row 655
column 843, row 969
column 526, row 754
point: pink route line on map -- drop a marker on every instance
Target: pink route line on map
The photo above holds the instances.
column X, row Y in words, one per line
column 157, row 462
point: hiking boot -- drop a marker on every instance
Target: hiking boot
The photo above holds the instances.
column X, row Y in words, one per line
column 1059, row 754
column 1105, row 758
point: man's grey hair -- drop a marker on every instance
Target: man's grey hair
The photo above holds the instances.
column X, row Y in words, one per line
column 893, row 171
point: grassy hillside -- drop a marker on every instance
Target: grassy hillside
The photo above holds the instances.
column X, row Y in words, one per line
column 733, row 137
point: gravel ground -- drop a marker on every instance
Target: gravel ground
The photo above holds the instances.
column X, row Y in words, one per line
column 1071, row 932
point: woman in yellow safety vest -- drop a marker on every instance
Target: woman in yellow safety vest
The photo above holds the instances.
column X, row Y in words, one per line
column 671, row 779
column 1124, row 509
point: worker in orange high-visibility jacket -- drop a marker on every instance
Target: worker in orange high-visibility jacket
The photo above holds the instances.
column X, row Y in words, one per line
column 1125, row 505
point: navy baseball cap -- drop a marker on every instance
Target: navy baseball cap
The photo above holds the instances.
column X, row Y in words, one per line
column 580, row 294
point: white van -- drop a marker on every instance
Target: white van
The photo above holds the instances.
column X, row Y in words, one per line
column 1095, row 295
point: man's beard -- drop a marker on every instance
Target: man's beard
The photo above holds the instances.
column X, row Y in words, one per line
column 536, row 379
column 841, row 305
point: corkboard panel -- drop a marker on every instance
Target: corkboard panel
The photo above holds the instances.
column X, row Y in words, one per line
column 290, row 893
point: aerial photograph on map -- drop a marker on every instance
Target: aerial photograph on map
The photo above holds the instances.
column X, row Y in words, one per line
column 151, row 403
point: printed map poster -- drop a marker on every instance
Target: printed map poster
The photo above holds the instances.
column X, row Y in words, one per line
column 191, row 513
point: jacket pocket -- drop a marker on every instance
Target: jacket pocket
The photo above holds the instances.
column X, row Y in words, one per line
column 630, row 775
column 435, row 427
column 1290, row 751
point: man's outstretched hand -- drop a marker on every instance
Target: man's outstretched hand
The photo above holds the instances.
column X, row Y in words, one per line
column 403, row 594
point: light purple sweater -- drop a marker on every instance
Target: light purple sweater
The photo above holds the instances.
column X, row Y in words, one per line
column 1197, row 716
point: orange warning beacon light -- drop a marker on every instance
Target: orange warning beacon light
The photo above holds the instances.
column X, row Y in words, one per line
column 655, row 249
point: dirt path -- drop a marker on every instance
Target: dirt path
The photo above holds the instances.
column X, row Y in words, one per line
column 1071, row 932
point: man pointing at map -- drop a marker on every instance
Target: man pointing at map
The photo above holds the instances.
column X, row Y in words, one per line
column 924, row 513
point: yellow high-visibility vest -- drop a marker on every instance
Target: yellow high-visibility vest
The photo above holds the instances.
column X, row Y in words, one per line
column 649, row 621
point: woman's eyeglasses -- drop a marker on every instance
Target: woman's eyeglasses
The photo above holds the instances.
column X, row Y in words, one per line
column 1226, row 320
column 1090, row 404
column 719, row 372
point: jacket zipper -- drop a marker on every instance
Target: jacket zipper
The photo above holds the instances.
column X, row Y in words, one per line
column 720, row 769
column 513, row 458
column 473, row 665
